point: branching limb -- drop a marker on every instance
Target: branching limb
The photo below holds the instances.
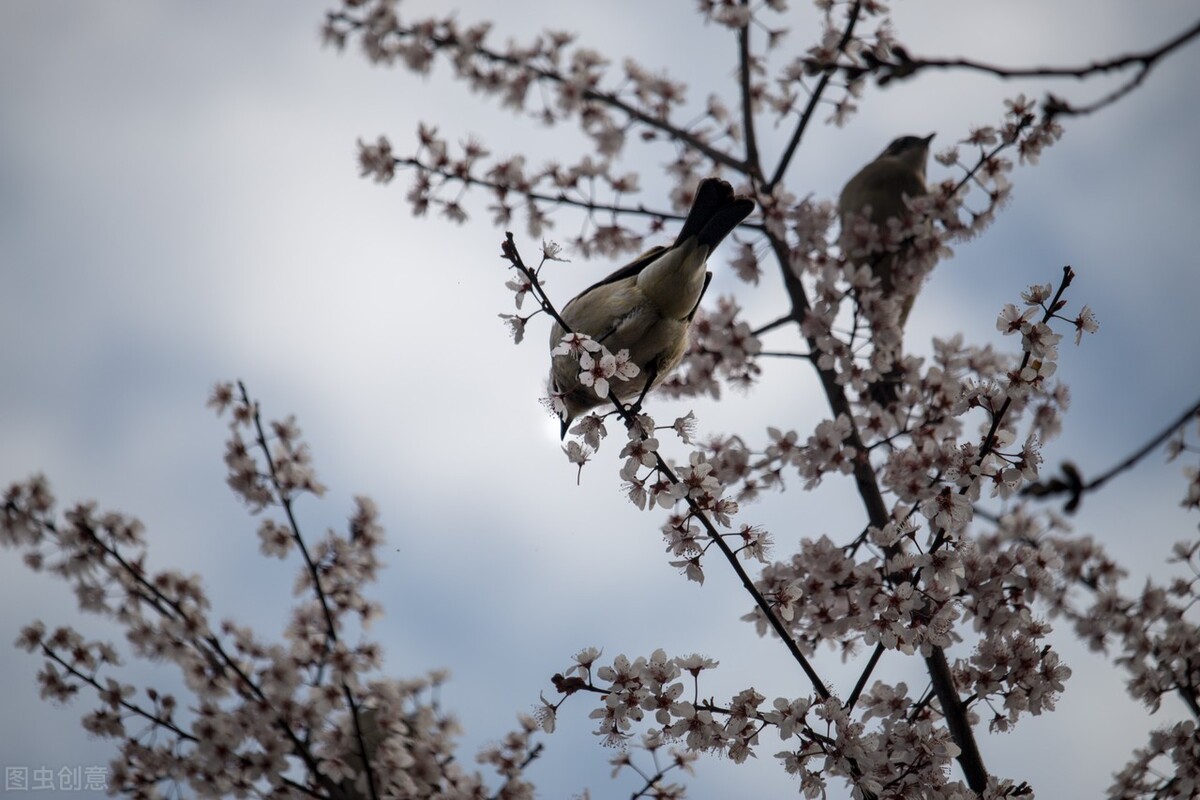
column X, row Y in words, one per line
column 867, row 483
column 331, row 636
column 657, row 123
column 745, row 68
column 1072, row 484
column 629, row 417
column 814, row 99
column 562, row 198
column 902, row 66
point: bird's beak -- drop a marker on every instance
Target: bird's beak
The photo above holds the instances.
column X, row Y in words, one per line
column 929, row 139
column 562, row 433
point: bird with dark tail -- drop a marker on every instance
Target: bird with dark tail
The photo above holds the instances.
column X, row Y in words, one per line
column 647, row 306
column 877, row 193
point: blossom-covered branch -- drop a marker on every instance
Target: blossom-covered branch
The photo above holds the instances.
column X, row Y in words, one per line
column 511, row 73
column 302, row 718
column 899, row 65
column 1070, row 480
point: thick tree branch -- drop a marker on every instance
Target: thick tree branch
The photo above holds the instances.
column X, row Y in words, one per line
column 877, row 512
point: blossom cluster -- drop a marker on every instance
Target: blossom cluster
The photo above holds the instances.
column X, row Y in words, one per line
column 597, row 366
column 886, row 752
column 930, row 445
column 1033, row 559
column 553, row 80
column 308, row 716
column 885, row 590
column 900, row 597
column 722, row 350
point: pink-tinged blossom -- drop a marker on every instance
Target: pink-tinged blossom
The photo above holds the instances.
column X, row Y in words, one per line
column 577, row 345
column 1037, row 294
column 577, row 454
column 640, row 450
column 591, row 429
column 552, row 251
column 516, row 326
column 594, row 373
column 520, row 286
column 1014, row 320
column 376, row 160
column 685, row 427
column 1085, row 323
column 948, row 511
column 275, row 539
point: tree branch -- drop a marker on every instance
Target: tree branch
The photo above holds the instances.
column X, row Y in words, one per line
column 877, row 512
column 745, row 64
column 852, row 700
column 285, row 500
column 813, row 99
column 903, row 66
column 562, row 198
column 606, row 98
column 629, row 416
column 906, row 66
column 1072, row 482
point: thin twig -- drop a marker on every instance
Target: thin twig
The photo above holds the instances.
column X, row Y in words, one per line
column 988, row 445
column 629, row 416
column 587, row 93
column 784, row 354
column 903, row 66
column 561, row 198
column 208, row 645
column 331, row 637
column 1148, row 448
column 852, row 700
column 1070, row 481
column 813, row 99
column 132, row 708
column 588, row 205
column 745, row 64
column 773, row 324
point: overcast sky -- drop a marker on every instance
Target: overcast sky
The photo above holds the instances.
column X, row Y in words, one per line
column 180, row 204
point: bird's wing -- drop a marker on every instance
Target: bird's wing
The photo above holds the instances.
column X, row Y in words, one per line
column 715, row 213
column 880, row 184
column 632, row 268
column 703, row 289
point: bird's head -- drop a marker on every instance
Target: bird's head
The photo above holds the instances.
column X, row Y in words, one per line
column 911, row 150
column 577, row 401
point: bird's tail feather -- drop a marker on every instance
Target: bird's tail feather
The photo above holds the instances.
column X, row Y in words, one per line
column 712, row 195
column 716, row 211
column 724, row 220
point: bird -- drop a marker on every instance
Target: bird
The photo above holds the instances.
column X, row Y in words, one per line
column 646, row 306
column 878, row 192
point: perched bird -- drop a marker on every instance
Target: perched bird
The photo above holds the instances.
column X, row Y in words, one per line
column 877, row 193
column 647, row 306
